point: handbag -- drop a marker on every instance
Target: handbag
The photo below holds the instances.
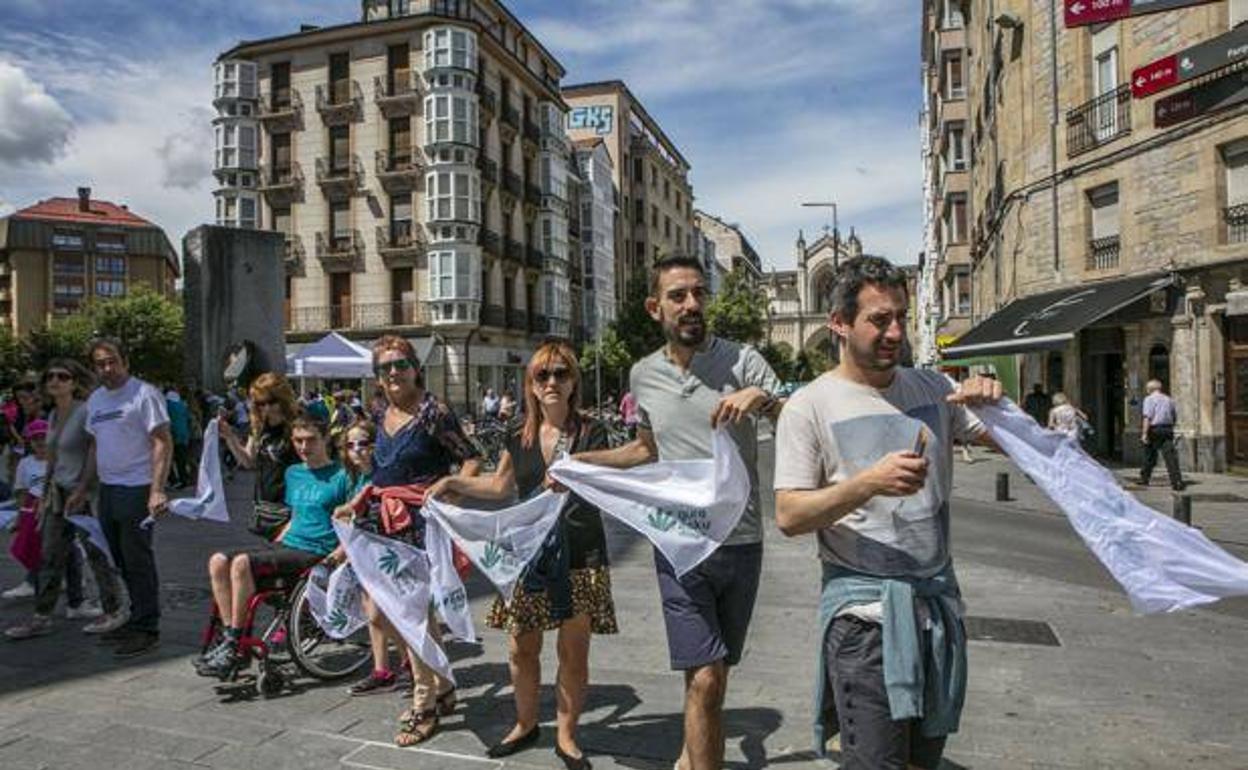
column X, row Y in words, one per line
column 267, row 519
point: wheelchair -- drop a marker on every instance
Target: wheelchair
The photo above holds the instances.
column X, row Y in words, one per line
column 281, row 630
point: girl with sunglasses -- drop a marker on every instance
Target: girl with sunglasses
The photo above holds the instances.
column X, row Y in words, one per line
column 568, row 585
column 268, row 449
column 419, row 441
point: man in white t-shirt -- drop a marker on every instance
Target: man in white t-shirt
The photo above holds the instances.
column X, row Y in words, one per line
column 130, row 453
column 868, row 451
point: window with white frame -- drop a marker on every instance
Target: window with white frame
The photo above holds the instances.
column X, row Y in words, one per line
column 954, row 230
column 110, row 276
column 450, row 47
column 235, row 80
column 453, row 196
column 955, row 83
column 554, row 230
column 1103, row 201
column 454, row 285
column 236, row 145
column 451, row 118
column 952, row 17
column 554, row 176
column 962, row 290
column 1235, row 163
column 955, row 150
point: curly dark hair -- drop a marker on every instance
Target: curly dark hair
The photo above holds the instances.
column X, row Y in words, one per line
column 856, row 273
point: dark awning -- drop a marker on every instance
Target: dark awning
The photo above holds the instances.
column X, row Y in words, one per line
column 1052, row 319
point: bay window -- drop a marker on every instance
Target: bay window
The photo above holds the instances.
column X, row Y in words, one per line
column 450, row 47
column 454, row 285
column 453, row 196
column 451, row 117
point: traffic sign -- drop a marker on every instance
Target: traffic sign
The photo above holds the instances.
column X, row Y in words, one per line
column 1216, row 95
column 1080, row 13
column 1191, row 63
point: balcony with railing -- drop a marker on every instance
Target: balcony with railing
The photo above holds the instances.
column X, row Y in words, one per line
column 341, row 251
column 397, row 94
column 400, row 243
column 1099, row 121
column 340, row 102
column 399, row 169
column 517, row 319
column 1236, row 218
column 342, row 175
column 488, row 101
column 534, row 257
column 281, row 184
column 513, row 187
column 514, row 250
column 510, row 121
column 537, row 324
column 532, row 195
column 489, row 169
column 294, row 254
column 359, row 317
column 493, row 315
column 1103, row 252
column 281, row 111
column 490, row 241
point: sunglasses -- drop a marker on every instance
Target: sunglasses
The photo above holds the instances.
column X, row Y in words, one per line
column 560, row 375
column 397, row 365
column 58, row 375
column 359, row 445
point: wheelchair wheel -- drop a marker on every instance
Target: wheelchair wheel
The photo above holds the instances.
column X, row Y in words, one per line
column 316, row 653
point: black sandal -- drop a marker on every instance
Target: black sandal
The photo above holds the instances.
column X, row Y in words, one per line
column 417, row 729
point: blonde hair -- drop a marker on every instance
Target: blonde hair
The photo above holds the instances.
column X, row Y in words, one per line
column 272, row 386
column 369, row 427
column 1059, row 399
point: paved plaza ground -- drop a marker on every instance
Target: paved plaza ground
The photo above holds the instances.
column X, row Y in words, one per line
column 1062, row 674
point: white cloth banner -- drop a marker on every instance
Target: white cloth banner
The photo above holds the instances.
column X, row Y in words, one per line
column 1163, row 565
column 686, row 508
column 209, row 499
column 338, row 606
column 95, row 533
column 396, row 576
column 449, row 595
column 500, row 543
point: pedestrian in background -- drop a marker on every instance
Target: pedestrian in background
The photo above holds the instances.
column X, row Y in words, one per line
column 131, row 452
column 180, row 430
column 268, row 448
column 1037, row 404
column 1157, row 435
column 1066, row 418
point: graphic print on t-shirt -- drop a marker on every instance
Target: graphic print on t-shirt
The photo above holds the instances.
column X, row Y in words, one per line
column 891, row 535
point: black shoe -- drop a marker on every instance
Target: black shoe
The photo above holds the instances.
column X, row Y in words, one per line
column 373, row 684
column 120, row 634
column 137, row 643
column 571, row 762
column 507, row 748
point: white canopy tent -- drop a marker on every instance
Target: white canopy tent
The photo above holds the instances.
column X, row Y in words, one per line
column 333, row 357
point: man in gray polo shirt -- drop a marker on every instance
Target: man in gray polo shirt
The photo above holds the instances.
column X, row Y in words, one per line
column 685, row 389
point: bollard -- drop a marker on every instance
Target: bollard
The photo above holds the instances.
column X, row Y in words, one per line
column 1003, row 487
column 1182, row 509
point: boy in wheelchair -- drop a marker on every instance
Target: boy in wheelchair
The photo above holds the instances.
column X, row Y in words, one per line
column 314, row 488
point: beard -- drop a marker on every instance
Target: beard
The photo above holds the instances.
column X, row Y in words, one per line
column 688, row 331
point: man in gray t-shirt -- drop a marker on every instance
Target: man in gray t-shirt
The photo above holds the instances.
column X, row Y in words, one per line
column 684, row 390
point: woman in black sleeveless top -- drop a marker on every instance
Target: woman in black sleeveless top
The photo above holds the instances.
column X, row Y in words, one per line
column 568, row 585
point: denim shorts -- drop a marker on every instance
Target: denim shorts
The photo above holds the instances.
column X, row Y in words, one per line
column 707, row 612
column 870, row 739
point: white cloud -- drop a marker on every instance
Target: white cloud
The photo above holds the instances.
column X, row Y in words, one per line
column 186, row 162
column 6, row 208
column 34, row 127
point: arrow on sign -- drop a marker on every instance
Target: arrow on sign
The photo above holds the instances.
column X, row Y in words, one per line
column 1077, row 9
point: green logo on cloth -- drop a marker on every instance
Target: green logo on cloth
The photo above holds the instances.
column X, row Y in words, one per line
column 690, row 522
column 389, row 563
column 661, row 520
column 338, row 620
column 492, row 556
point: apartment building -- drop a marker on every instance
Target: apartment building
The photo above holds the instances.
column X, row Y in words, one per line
column 416, row 161
column 655, row 198
column 733, row 250
column 61, row 253
column 596, row 241
column 1105, row 231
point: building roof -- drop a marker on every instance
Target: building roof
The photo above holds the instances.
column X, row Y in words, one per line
column 98, row 213
column 604, row 86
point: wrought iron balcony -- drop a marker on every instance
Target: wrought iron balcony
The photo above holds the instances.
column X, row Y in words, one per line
column 398, row 94
column 374, row 315
column 488, row 101
column 281, row 184
column 281, row 111
column 531, row 132
column 339, row 175
column 340, row 251
column 489, row 169
column 534, row 257
column 537, row 324
column 1099, row 121
column 294, row 253
column 340, row 102
column 513, row 186
column 517, row 319
column 399, row 169
column 1236, row 218
column 510, row 124
column 532, row 195
column 1103, row 253
column 490, row 242
column 515, row 250
column 493, row 315
column 400, row 244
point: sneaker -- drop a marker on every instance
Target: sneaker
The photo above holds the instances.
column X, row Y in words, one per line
column 221, row 663
column 137, row 643
column 88, row 610
column 38, row 625
column 22, row 590
column 375, row 682
column 107, row 624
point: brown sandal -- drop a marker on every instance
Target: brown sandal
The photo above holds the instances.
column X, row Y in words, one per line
column 417, row 729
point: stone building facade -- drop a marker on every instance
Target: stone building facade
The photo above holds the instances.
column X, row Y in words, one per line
column 798, row 300
column 416, row 161
column 1074, row 186
column 61, row 253
column 654, row 196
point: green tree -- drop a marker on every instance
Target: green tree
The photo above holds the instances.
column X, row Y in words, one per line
column 615, row 363
column 147, row 324
column 809, row 364
column 14, row 360
column 739, row 311
column 640, row 334
column 780, row 356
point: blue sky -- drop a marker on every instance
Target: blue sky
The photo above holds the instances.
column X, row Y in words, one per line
column 772, row 101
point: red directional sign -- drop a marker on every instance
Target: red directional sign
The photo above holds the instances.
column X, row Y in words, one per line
column 1200, row 59
column 1203, row 99
column 1080, row 13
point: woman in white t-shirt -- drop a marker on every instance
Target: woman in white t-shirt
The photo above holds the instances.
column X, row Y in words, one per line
column 1064, row 417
